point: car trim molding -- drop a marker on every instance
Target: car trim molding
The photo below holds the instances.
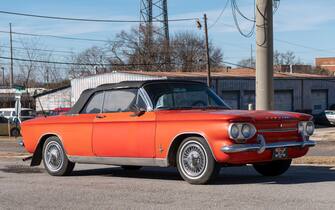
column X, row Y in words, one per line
column 278, row 130
column 161, row 162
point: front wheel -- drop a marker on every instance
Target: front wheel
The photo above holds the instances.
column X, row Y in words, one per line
column 195, row 161
column 54, row 158
column 15, row 132
column 274, row 168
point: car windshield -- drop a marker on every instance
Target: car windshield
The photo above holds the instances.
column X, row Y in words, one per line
column 28, row 113
column 183, row 96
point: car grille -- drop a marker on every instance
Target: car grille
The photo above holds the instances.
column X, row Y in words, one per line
column 278, row 130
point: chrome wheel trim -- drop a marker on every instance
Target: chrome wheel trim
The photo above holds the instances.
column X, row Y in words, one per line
column 193, row 160
column 53, row 156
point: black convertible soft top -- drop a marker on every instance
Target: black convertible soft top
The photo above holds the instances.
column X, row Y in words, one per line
column 86, row 94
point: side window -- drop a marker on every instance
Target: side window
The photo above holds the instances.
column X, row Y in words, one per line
column 119, row 100
column 95, row 104
column 3, row 120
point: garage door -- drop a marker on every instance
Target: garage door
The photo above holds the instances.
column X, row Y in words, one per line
column 248, row 98
column 232, row 98
column 283, row 100
column 319, row 101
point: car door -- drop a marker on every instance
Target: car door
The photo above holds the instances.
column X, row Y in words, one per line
column 3, row 126
column 118, row 132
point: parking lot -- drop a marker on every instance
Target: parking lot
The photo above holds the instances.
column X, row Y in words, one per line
column 91, row 186
column 304, row 186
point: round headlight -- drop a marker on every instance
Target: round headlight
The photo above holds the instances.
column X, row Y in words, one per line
column 301, row 127
column 234, row 131
column 310, row 128
column 246, row 131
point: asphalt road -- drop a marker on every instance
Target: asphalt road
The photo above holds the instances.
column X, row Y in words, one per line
column 106, row 187
column 98, row 187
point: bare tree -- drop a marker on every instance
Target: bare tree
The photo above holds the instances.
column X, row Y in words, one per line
column 286, row 58
column 93, row 60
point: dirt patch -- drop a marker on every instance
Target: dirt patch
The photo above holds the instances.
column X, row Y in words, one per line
column 323, row 160
column 21, row 169
column 13, row 154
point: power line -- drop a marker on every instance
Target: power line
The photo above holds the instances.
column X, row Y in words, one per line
column 235, row 64
column 303, row 46
column 37, row 49
column 102, row 64
column 220, row 15
column 81, row 64
column 56, row 36
column 87, row 19
column 235, row 10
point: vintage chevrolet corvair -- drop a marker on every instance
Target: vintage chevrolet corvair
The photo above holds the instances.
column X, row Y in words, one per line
column 166, row 123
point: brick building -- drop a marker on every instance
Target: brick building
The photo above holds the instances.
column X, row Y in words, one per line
column 326, row 63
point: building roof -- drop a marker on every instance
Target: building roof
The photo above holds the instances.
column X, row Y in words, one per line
column 237, row 72
column 51, row 91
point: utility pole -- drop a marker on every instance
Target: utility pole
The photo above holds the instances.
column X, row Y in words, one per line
column 11, row 74
column 3, row 75
column 251, row 57
column 209, row 80
column 264, row 55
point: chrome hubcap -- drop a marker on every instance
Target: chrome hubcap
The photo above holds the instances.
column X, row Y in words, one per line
column 53, row 156
column 193, row 159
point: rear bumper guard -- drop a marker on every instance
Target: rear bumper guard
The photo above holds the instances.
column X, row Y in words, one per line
column 262, row 145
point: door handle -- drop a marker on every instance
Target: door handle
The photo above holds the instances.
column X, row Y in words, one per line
column 100, row 116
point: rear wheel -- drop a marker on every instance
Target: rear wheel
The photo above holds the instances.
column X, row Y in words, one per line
column 274, row 168
column 54, row 158
column 195, row 161
column 131, row 168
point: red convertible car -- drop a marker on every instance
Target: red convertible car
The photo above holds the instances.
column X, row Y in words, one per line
column 166, row 123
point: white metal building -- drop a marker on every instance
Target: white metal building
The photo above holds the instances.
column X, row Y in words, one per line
column 78, row 85
column 56, row 98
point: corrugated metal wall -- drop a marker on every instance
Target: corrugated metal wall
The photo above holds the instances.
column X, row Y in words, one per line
column 80, row 84
column 51, row 101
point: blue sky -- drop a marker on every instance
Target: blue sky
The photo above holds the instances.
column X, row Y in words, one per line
column 304, row 22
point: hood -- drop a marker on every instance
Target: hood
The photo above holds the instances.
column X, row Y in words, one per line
column 232, row 115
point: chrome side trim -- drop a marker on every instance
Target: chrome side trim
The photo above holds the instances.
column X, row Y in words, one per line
column 262, row 146
column 161, row 162
column 278, row 130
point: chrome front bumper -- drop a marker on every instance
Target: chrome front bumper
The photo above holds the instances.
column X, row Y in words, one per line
column 262, row 145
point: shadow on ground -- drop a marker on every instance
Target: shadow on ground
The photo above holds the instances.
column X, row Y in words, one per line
column 228, row 176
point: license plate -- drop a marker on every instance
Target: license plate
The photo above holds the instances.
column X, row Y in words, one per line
column 279, row 153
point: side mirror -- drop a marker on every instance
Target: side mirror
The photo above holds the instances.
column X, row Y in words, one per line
column 138, row 111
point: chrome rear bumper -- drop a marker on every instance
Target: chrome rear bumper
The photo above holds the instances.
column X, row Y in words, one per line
column 262, row 145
